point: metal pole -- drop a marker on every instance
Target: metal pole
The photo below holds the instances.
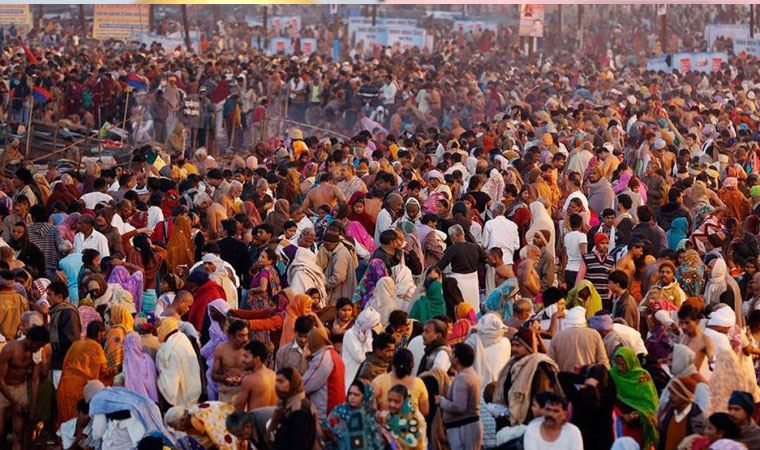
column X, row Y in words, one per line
column 29, row 126
column 126, row 110
column 374, row 15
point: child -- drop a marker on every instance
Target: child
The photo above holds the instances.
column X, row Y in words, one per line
column 402, row 421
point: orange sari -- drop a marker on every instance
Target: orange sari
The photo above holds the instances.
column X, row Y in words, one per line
column 84, row 361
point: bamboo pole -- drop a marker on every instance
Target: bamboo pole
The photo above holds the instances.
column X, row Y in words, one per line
column 29, row 126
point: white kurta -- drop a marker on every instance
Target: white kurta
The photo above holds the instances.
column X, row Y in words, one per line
column 178, row 371
column 353, row 352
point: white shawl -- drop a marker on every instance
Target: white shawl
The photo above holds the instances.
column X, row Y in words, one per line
column 178, row 371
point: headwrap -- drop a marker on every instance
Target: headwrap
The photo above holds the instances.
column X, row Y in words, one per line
column 664, row 317
column 91, row 388
column 730, row 182
column 168, row 325
column 722, row 317
column 317, row 339
column 601, row 322
column 743, row 400
column 365, row 322
column 636, row 390
column 600, row 237
column 575, row 317
column 526, row 338
column 684, row 388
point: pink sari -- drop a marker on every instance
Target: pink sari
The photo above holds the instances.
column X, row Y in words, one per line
column 357, row 231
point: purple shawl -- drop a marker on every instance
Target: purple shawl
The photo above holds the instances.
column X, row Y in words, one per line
column 67, row 228
column 356, row 230
column 131, row 283
column 216, row 336
column 139, row 369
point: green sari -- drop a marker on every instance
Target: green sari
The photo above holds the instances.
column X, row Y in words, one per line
column 636, row 390
column 429, row 305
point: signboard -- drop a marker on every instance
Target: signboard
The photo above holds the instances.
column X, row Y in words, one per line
column 750, row 46
column 354, row 23
column 125, row 22
column 308, row 46
column 683, row 62
column 280, row 45
column 371, row 36
column 659, row 63
column 473, row 26
column 172, row 41
column 662, row 9
column 279, row 25
column 531, row 20
column 18, row 15
column 405, row 37
column 733, row 31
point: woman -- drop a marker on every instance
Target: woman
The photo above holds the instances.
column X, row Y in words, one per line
column 402, row 420
column 502, row 299
column 402, row 365
column 679, row 230
column 385, row 299
column 139, row 368
column 104, row 227
column 722, row 288
column 659, row 343
column 27, row 251
column 131, row 283
column 593, row 402
column 217, row 313
column 357, row 342
column 432, row 303
column 121, row 323
column 690, row 274
column 344, row 319
column 728, row 376
column 584, row 294
column 466, row 319
column 636, row 397
column 299, row 306
column 202, row 426
column 375, row 271
column 149, row 257
column 180, row 250
column 408, row 222
column 279, row 216
column 700, row 204
column 65, row 192
column 718, row 426
column 294, row 421
column 353, row 424
column 452, row 295
column 492, row 347
column 541, row 220
column 358, row 213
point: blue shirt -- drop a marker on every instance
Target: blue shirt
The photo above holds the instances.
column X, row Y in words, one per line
column 71, row 265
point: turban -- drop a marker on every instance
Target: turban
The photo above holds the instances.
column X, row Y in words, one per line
column 601, row 322
column 575, row 317
column 723, row 317
column 600, row 237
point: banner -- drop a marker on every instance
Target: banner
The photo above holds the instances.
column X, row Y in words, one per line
column 17, row 15
column 531, row 20
column 280, row 45
column 279, row 25
column 750, row 46
column 124, row 22
column 371, row 36
column 473, row 26
column 659, row 63
column 687, row 61
column 733, row 31
column 354, row 23
column 308, row 46
column 172, row 41
column 405, row 37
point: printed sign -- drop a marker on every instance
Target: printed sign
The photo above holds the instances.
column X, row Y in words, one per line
column 733, row 31
column 531, row 20
column 125, row 22
column 18, row 15
column 405, row 37
column 280, row 25
column 308, row 46
column 750, row 46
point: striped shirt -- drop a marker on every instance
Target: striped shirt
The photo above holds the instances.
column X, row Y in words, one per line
column 597, row 272
column 47, row 237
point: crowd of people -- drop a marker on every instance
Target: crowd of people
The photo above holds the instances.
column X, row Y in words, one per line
column 470, row 249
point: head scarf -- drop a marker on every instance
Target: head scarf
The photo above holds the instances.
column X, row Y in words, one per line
column 375, row 271
column 139, row 369
column 679, row 230
column 636, row 390
column 625, row 443
column 466, row 318
column 365, row 322
column 502, row 299
column 540, row 220
column 131, row 283
column 317, row 339
column 296, row 308
column 720, row 281
column 491, row 329
column 181, row 247
column 682, row 364
column 593, row 304
column 575, row 317
column 429, row 305
column 168, row 326
column 349, row 425
column 217, row 336
column 119, row 315
column 365, row 219
column 408, row 224
column 68, row 227
column 87, row 315
column 279, row 216
column 404, row 426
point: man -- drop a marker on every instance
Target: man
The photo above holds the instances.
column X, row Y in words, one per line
column 250, row 426
column 627, row 264
column 340, row 267
column 47, row 237
column 326, row 193
column 233, row 250
column 672, row 210
column 624, row 221
column 461, row 405
column 378, row 360
column 393, row 249
column 741, row 407
column 89, row 237
column 229, row 368
column 600, row 193
column 257, row 389
column 12, row 305
column 17, row 369
column 20, row 214
column 349, row 183
column 65, row 325
column 596, row 266
column 522, row 310
column 180, row 306
column 127, row 182
column 606, row 226
column 99, row 195
column 577, row 345
column 221, row 186
column 292, row 354
column 437, row 350
column 502, row 233
column 648, row 231
column 624, row 306
column 501, row 270
column 391, row 211
column 70, row 265
column 179, row 373
column 681, row 416
column 668, row 288
column 465, row 258
column 551, row 430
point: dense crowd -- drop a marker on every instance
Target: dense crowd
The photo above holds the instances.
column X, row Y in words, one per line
column 453, row 249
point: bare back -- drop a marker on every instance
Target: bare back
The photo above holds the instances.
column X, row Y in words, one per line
column 257, row 390
column 16, row 363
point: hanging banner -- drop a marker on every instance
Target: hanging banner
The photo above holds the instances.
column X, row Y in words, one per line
column 405, row 37
column 280, row 46
column 531, row 20
column 727, row 30
column 280, row 25
column 124, row 22
column 475, row 26
column 683, row 62
column 750, row 46
column 371, row 36
column 19, row 16
column 308, row 46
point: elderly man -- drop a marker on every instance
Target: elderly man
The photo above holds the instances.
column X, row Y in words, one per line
column 89, row 237
column 179, row 374
column 502, row 233
column 391, row 211
column 339, row 265
column 577, row 345
column 461, row 260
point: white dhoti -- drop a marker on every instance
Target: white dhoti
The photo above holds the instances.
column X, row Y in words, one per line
column 468, row 284
column 490, row 278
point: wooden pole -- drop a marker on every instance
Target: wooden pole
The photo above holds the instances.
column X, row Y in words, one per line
column 186, row 26
column 266, row 28
column 126, row 111
column 152, row 19
column 82, row 22
column 374, row 15
column 664, row 32
column 558, row 37
column 751, row 21
column 29, row 127
column 579, row 27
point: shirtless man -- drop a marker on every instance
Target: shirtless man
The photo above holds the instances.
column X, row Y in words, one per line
column 628, row 265
column 228, row 367
column 501, row 271
column 215, row 214
column 257, row 389
column 325, row 193
column 16, row 366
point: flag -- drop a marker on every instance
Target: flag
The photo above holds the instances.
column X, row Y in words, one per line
column 41, row 95
column 136, row 81
column 221, row 92
column 30, row 58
